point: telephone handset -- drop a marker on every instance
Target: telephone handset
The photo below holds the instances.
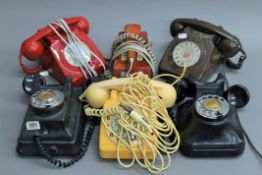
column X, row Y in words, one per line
column 202, row 46
column 98, row 93
column 208, row 122
column 58, row 47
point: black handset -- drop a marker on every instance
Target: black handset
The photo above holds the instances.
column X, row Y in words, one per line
column 202, row 46
column 227, row 43
column 208, row 122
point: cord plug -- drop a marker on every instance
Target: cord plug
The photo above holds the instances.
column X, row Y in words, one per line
column 137, row 117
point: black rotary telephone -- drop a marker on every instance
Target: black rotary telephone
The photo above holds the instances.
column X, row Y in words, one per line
column 208, row 122
column 54, row 124
column 202, row 47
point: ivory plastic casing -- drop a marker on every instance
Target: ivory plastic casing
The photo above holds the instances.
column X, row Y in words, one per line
column 98, row 93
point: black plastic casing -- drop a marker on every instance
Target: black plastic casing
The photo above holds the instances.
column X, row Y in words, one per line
column 61, row 131
column 201, row 137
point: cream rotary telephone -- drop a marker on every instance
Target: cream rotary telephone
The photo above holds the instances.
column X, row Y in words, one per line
column 135, row 124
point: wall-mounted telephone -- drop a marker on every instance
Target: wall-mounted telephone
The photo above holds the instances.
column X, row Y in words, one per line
column 209, row 124
column 64, row 49
column 132, row 52
column 201, row 46
column 54, row 123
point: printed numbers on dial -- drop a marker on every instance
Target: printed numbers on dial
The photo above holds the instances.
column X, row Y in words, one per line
column 186, row 53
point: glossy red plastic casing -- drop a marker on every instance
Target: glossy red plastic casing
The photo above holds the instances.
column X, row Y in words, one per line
column 47, row 48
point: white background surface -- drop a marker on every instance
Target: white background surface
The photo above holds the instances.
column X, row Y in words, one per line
column 21, row 19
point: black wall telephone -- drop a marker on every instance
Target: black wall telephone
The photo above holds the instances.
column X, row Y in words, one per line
column 201, row 46
column 54, row 123
column 209, row 123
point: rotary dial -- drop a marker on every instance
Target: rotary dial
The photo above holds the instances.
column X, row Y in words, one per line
column 112, row 121
column 47, row 99
column 72, row 58
column 186, row 52
column 212, row 106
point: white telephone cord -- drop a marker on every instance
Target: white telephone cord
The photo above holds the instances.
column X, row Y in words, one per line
column 77, row 48
column 121, row 45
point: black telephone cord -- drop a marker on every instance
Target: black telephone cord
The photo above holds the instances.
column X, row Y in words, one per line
column 250, row 142
column 63, row 164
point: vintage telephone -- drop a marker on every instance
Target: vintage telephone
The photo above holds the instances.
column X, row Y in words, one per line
column 208, row 122
column 202, row 46
column 54, row 124
column 132, row 52
column 105, row 94
column 134, row 126
column 64, row 49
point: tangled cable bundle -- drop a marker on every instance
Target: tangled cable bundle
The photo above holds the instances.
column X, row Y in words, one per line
column 80, row 52
column 144, row 122
column 132, row 42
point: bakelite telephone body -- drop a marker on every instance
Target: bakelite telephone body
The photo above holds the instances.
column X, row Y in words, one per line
column 54, row 115
column 201, row 46
column 53, row 55
column 208, row 123
column 130, row 62
column 106, row 94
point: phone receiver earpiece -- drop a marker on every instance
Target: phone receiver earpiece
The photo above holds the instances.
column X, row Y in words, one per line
column 230, row 48
column 237, row 95
column 176, row 28
column 33, row 83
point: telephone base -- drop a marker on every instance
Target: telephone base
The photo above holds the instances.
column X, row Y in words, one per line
column 108, row 149
column 60, row 132
column 209, row 139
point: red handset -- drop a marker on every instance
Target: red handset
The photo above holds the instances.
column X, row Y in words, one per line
column 56, row 57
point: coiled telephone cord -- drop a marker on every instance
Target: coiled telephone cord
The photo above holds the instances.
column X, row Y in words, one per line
column 122, row 44
column 152, row 128
column 88, row 132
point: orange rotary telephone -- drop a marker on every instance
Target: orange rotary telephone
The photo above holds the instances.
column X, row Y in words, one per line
column 64, row 49
column 132, row 52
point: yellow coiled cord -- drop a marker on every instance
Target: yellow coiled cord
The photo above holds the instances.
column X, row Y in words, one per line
column 151, row 126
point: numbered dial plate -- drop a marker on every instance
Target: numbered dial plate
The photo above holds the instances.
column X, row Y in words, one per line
column 112, row 122
column 186, row 52
column 74, row 52
column 212, row 107
column 47, row 99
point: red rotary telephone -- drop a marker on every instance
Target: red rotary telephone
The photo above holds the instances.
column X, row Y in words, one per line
column 48, row 47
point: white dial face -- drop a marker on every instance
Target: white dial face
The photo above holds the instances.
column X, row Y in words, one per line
column 186, row 52
column 112, row 121
column 73, row 52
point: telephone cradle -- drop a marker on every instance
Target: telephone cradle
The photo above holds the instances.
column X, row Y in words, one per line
column 209, row 124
